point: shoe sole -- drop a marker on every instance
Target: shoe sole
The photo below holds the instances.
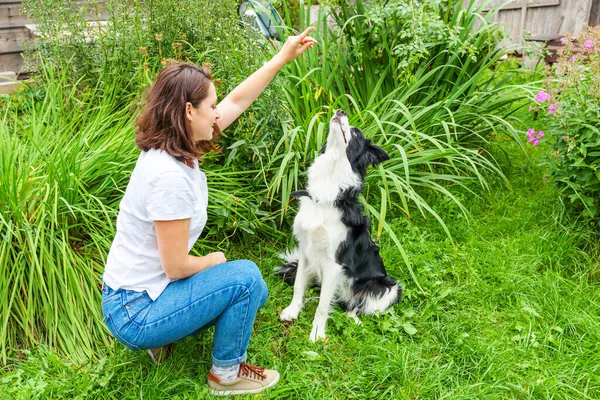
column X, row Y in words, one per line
column 243, row 391
column 152, row 356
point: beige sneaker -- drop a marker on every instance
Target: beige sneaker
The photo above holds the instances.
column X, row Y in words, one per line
column 250, row 379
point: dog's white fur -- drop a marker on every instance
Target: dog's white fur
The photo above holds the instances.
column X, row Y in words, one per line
column 319, row 230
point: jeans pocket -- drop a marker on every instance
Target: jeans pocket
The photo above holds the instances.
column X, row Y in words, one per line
column 111, row 297
column 136, row 305
column 115, row 332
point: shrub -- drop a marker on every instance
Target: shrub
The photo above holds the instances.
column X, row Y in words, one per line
column 434, row 107
column 569, row 122
column 431, row 100
column 67, row 150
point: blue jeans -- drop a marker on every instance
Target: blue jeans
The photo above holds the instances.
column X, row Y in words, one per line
column 226, row 296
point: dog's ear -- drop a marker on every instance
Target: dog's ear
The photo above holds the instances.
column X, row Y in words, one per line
column 366, row 222
column 374, row 155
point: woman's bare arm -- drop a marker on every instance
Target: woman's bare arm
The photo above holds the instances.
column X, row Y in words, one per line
column 240, row 98
column 172, row 237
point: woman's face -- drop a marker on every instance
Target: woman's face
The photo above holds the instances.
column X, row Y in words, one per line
column 203, row 118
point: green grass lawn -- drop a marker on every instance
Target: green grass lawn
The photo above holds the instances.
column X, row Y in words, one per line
column 511, row 309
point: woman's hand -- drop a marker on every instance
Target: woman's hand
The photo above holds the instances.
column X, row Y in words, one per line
column 216, row 258
column 295, row 45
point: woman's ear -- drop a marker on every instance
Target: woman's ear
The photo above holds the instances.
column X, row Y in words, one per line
column 188, row 111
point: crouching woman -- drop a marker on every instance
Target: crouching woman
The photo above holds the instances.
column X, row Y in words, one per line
column 154, row 291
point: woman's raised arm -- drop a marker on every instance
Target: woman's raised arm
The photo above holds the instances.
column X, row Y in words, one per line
column 240, row 98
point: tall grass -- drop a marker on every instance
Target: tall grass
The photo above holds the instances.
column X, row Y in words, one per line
column 60, row 175
column 436, row 110
column 67, row 152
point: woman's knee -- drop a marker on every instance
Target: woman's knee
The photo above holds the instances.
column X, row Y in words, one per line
column 264, row 292
column 245, row 272
column 248, row 274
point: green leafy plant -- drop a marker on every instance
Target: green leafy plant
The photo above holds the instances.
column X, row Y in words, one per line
column 59, row 187
column 436, row 107
column 569, row 122
column 66, row 153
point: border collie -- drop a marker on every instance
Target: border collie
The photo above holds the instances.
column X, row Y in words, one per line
column 335, row 250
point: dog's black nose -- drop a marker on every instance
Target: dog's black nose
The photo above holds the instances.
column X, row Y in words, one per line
column 340, row 113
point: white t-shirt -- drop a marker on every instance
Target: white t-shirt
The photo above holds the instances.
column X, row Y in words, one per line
column 160, row 189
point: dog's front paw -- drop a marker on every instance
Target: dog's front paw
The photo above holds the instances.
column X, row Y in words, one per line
column 290, row 313
column 317, row 333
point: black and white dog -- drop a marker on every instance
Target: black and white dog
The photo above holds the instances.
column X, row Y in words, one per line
column 335, row 250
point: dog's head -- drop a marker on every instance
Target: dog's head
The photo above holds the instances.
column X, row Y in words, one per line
column 361, row 152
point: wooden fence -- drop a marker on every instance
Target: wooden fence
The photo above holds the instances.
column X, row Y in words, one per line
column 14, row 32
column 542, row 20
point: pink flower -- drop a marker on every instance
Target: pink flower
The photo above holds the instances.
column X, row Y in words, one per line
column 563, row 40
column 533, row 137
column 530, row 108
column 552, row 108
column 572, row 59
column 542, row 96
column 588, row 44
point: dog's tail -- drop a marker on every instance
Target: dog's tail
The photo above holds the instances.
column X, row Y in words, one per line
column 287, row 270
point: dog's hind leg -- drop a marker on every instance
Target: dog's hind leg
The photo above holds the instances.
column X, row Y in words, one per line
column 293, row 310
column 330, row 278
column 352, row 314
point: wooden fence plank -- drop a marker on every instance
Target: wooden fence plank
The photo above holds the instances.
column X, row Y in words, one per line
column 594, row 18
column 543, row 18
column 11, row 39
column 11, row 15
column 12, row 62
column 518, row 4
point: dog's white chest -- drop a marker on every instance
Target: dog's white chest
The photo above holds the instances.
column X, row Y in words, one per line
column 329, row 175
column 319, row 223
column 319, row 227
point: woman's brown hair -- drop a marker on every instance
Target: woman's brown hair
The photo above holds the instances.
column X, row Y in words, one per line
column 162, row 124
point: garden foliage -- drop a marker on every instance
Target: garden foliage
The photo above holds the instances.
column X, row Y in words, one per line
column 414, row 76
column 434, row 107
column 569, row 122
